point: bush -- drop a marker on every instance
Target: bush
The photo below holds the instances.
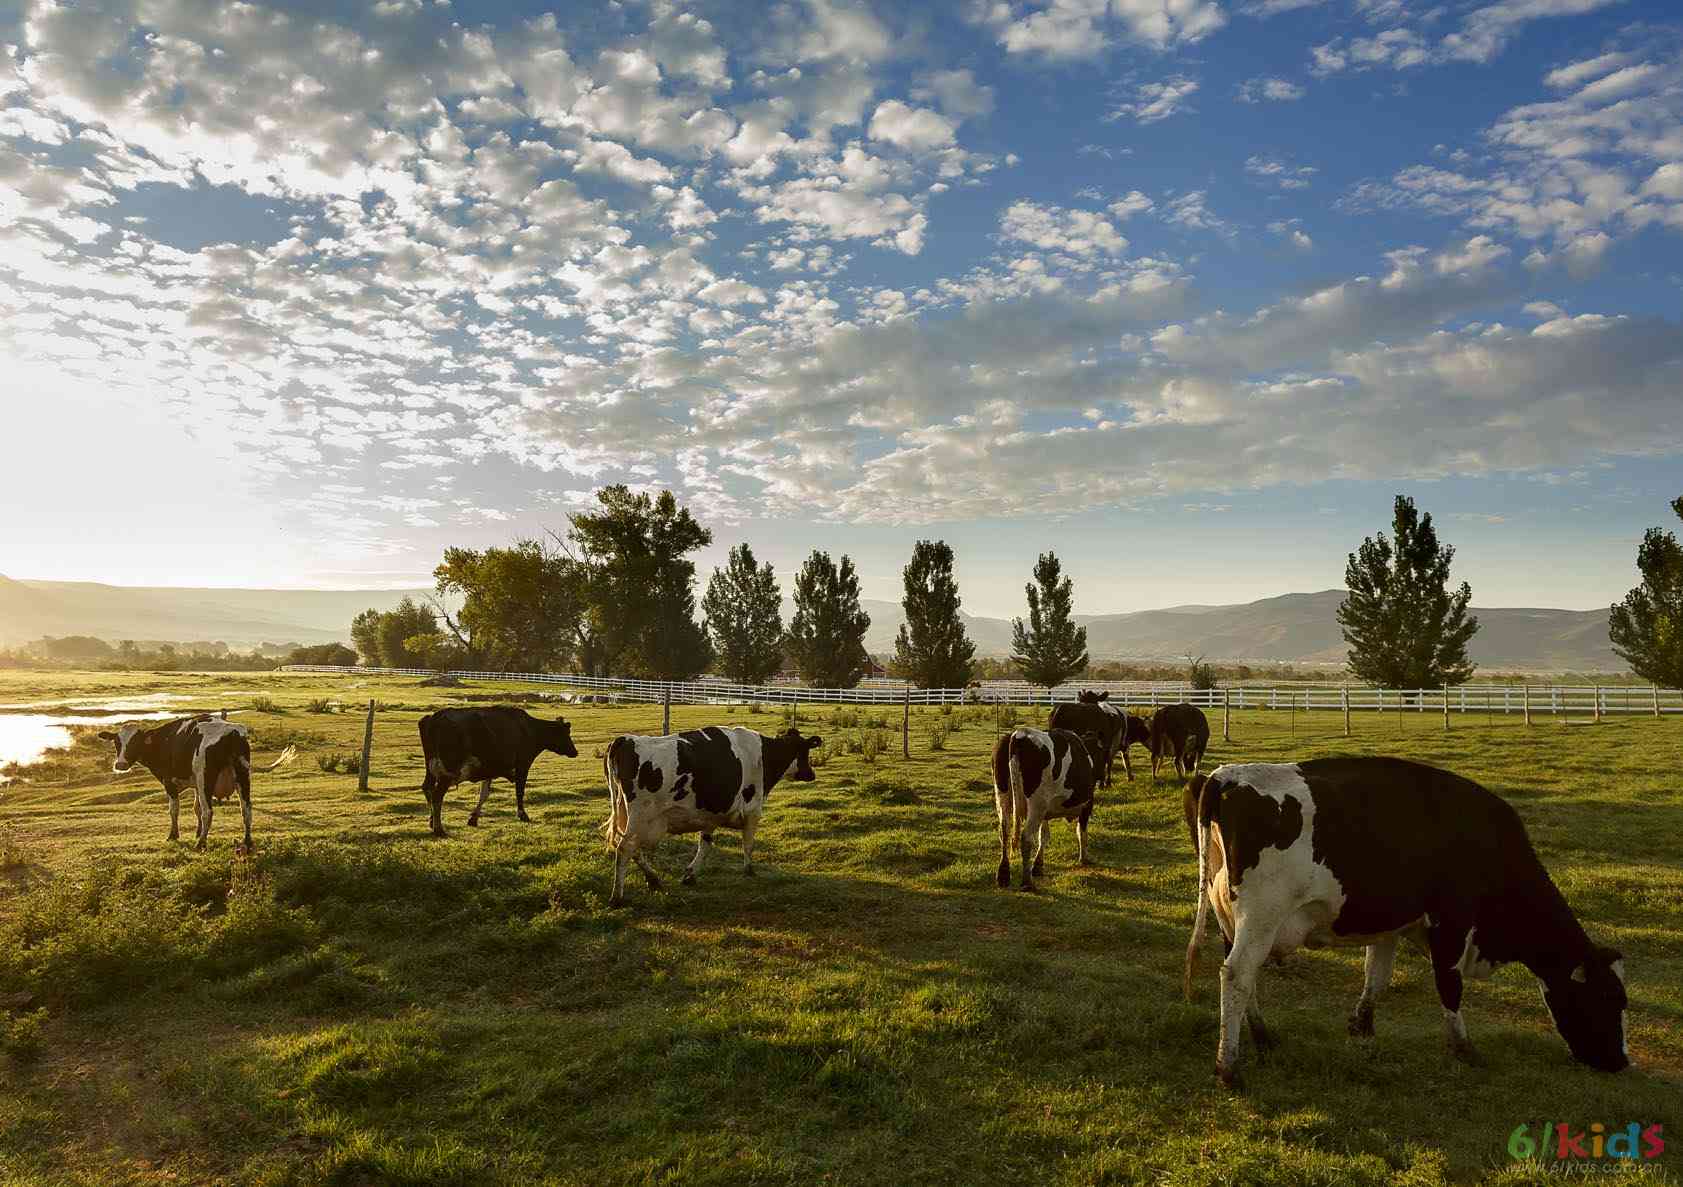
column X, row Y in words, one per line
column 321, row 705
column 12, row 852
column 872, row 742
column 938, row 735
column 264, row 704
column 328, row 762
column 1199, row 674
column 20, row 1035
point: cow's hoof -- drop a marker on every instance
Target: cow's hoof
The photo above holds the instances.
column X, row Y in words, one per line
column 1230, row 1076
column 1004, row 878
column 1030, row 888
column 1083, row 861
column 173, row 837
column 200, row 847
column 1467, row 1054
column 1264, row 1040
column 688, row 879
column 1039, row 870
column 1361, row 1023
column 524, row 819
column 617, row 901
column 473, row 821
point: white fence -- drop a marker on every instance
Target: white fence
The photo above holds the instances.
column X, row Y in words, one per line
column 1524, row 699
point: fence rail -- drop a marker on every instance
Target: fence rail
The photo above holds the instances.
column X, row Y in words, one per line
column 1523, row 699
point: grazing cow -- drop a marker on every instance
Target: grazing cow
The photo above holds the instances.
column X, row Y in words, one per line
column 1092, row 713
column 1040, row 776
column 1181, row 732
column 696, row 781
column 500, row 742
column 209, row 754
column 1364, row 852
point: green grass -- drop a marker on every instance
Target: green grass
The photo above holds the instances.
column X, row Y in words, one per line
column 358, row 1003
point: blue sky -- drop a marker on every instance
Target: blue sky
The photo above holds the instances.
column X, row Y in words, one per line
column 1184, row 289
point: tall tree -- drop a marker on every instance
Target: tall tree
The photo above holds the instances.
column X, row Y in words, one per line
column 744, row 618
column 1049, row 648
column 1647, row 627
column 365, row 635
column 519, row 605
column 397, row 626
column 932, row 649
column 1405, row 627
column 827, row 634
column 640, row 583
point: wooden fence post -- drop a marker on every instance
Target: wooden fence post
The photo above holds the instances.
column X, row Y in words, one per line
column 666, row 709
column 795, row 707
column 1596, row 716
column 1227, row 714
column 367, row 748
column 906, row 724
column 1656, row 700
column 1525, row 701
column 1344, row 696
column 1446, row 708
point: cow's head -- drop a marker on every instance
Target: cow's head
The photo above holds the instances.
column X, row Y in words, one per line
column 127, row 752
column 1089, row 697
column 1095, row 747
column 800, row 766
column 1588, row 1005
column 559, row 738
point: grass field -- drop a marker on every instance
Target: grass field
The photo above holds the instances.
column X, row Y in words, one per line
column 361, row 1003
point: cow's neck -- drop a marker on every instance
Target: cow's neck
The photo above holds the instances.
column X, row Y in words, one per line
column 775, row 756
column 1539, row 931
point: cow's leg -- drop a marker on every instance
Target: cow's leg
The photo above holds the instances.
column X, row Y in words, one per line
column 1261, row 1036
column 630, row 849
column 701, row 847
column 520, row 797
column 484, row 794
column 1081, row 834
column 1029, row 841
column 1156, row 758
column 1238, row 982
column 622, row 857
column 1002, row 804
column 1377, row 962
column 1045, row 844
column 749, row 824
column 1446, row 943
column 201, row 801
column 642, row 860
column 174, row 794
column 242, row 777
column 1127, row 767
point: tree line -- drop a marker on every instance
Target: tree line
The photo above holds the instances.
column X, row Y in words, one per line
column 616, row 596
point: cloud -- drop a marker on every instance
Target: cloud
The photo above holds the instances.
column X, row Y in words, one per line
column 1086, row 28
column 1054, row 228
column 1268, row 90
column 1155, row 101
column 1483, row 34
column 955, row 92
column 916, row 129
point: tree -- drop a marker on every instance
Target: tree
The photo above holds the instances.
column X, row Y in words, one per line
column 1050, row 648
column 639, row 585
column 365, row 635
column 1647, row 627
column 519, row 605
column 744, row 618
column 1404, row 626
column 396, row 627
column 332, row 655
column 932, row 649
column 827, row 634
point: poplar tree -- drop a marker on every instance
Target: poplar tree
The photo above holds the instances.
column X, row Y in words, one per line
column 1647, row 627
column 827, row 634
column 933, row 650
column 744, row 618
column 1049, row 648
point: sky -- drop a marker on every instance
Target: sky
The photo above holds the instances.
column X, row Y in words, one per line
column 1184, row 290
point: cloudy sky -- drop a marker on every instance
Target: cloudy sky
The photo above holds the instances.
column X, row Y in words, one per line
column 298, row 294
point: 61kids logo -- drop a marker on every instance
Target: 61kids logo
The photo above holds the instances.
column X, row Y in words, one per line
column 1562, row 1142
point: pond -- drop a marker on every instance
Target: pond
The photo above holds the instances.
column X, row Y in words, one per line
column 25, row 737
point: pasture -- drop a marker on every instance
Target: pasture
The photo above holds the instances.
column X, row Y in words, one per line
column 361, row 1003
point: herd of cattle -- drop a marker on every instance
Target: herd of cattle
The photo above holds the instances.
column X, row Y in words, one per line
column 1354, row 852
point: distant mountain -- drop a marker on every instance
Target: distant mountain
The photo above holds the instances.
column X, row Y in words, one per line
column 238, row 617
column 1292, row 628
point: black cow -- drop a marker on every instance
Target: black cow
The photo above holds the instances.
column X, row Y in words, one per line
column 1181, row 732
column 209, row 754
column 499, row 742
column 1364, row 852
column 1117, row 729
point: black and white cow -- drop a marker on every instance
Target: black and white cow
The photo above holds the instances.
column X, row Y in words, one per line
column 696, row 781
column 1117, row 729
column 1180, row 732
column 1364, row 852
column 1040, row 776
column 209, row 754
column 498, row 742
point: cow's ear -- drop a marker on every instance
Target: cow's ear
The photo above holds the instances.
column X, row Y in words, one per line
column 1105, row 695
column 814, row 742
column 1581, row 974
column 108, row 735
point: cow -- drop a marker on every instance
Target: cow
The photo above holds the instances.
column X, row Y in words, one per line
column 697, row 781
column 1040, row 776
column 1092, row 713
column 1181, row 732
column 479, row 745
column 212, row 755
column 1365, row 852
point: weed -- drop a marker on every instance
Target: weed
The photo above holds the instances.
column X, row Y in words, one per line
column 322, row 705
column 264, row 704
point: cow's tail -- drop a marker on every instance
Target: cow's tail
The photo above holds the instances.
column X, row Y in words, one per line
column 1014, row 764
column 286, row 756
column 1208, row 803
column 619, row 811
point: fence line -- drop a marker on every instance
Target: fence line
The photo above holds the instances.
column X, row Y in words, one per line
column 1530, row 700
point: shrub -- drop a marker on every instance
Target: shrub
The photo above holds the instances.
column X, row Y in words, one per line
column 938, row 734
column 264, row 704
column 20, row 1035
column 321, row 705
column 328, row 762
column 12, row 852
column 872, row 743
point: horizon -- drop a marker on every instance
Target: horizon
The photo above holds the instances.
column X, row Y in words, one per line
column 1126, row 282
